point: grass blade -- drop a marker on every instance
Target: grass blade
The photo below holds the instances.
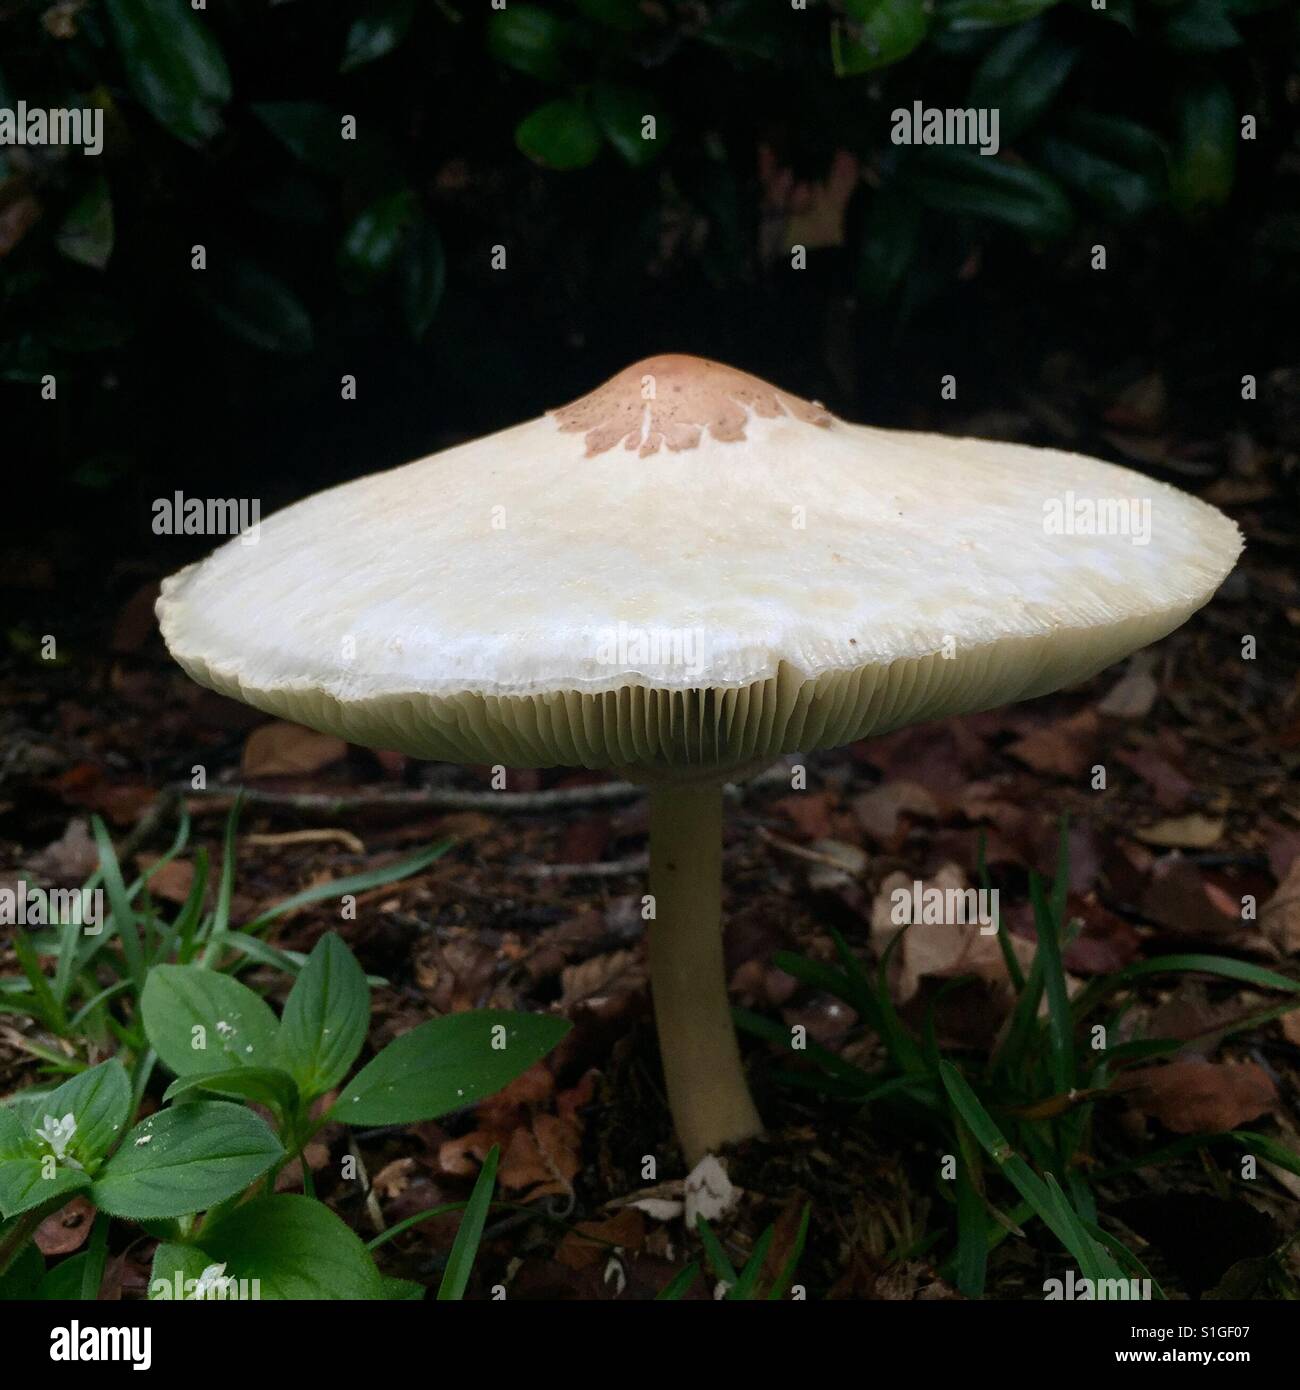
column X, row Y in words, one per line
column 464, row 1250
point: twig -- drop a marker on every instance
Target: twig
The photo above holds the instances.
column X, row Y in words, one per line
column 615, row 868
column 217, row 799
column 308, row 837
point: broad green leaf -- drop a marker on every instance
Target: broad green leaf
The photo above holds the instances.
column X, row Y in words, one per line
column 173, row 63
column 621, row 113
column 965, row 183
column 400, row 1290
column 30, row 1176
column 424, row 275
column 86, row 233
column 877, row 34
column 445, row 1064
column 531, row 40
column 99, row 1100
column 370, row 245
column 185, row 1160
column 559, row 135
column 63, row 1283
column 296, row 1248
column 268, row 1085
column 1020, row 77
column 464, row 1250
column 325, row 1018
column 256, row 307
column 201, row 1021
column 376, row 31
column 1120, row 192
column 176, row 1271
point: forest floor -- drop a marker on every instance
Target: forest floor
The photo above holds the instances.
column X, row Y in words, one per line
column 537, row 908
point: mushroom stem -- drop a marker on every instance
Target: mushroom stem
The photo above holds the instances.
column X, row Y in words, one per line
column 707, row 1093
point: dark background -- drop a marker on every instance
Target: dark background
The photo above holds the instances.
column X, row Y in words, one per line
column 520, row 128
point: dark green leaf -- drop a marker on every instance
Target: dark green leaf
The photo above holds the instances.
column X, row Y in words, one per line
column 965, row 15
column 879, row 32
column 199, row 1021
column 256, row 307
column 295, row 1247
column 176, row 1271
column 966, row 183
column 424, row 275
column 375, row 32
column 371, row 243
column 99, row 1100
column 174, row 65
column 325, row 1018
column 621, row 113
column 185, row 1160
column 1201, row 26
column 23, row 1277
column 1204, row 157
column 560, row 135
column 29, row 1174
column 86, row 234
column 446, row 1064
column 531, row 40
column 310, row 131
column 1020, row 77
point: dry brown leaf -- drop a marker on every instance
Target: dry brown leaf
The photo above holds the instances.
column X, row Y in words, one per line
column 590, row 1241
column 878, row 810
column 1065, row 749
column 1200, row 1097
column 1131, row 697
column 281, row 749
column 172, row 882
column 1280, row 916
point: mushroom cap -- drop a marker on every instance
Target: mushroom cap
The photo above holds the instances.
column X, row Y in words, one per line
column 690, row 569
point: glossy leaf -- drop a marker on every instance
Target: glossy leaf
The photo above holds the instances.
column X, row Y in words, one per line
column 446, row 1064
column 621, row 113
column 376, row 32
column 1021, row 76
column 878, row 34
column 173, row 63
column 965, row 183
column 325, row 1018
column 266, row 1085
column 186, row 1159
column 371, row 243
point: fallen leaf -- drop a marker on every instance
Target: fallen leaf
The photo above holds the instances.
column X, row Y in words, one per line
column 1199, row 1097
column 878, row 810
column 593, row 1241
column 281, row 749
column 810, row 812
column 1131, row 697
column 1178, row 897
column 172, row 882
column 66, row 1229
column 1066, row 748
column 1280, row 915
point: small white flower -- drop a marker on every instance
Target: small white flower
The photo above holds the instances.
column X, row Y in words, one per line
column 58, row 1135
column 213, row 1280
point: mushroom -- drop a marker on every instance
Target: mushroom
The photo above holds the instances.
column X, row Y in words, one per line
column 680, row 577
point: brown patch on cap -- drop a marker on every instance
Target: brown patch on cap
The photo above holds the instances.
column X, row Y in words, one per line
column 683, row 396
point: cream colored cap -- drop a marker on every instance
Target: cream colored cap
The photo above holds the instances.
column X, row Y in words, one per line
column 689, row 568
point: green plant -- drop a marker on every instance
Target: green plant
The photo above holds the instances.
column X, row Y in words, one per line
column 200, row 1175
column 1052, row 1067
column 91, row 998
column 743, row 1286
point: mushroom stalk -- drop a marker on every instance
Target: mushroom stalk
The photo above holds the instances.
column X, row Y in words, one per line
column 707, row 1093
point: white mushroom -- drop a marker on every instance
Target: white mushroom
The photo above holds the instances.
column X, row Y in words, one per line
column 681, row 576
